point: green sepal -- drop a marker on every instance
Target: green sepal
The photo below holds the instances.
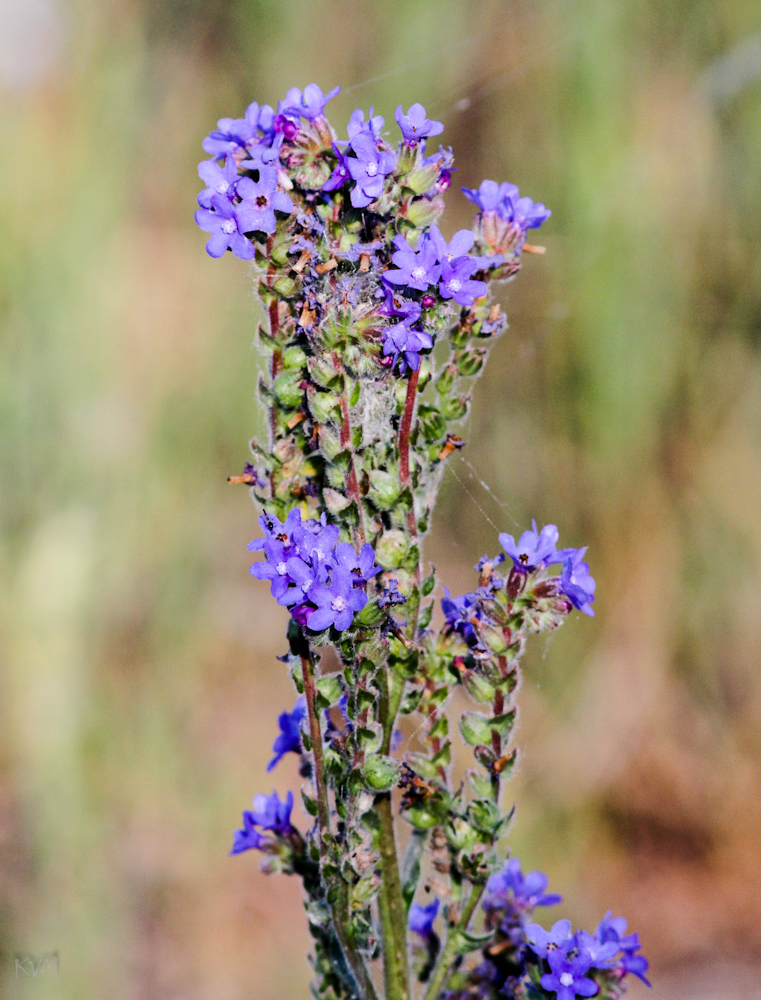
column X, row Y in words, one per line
column 329, row 690
column 310, row 804
column 335, row 501
column 371, row 615
column 422, row 179
column 480, row 783
column 468, row 941
column 475, row 728
column 477, row 686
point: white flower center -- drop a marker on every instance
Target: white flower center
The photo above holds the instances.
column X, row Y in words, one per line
column 228, row 226
column 281, row 568
column 455, row 285
column 418, row 273
column 372, row 169
column 222, row 187
column 339, row 603
column 566, row 979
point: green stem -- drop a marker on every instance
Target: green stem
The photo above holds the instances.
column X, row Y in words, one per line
column 442, row 969
column 393, row 912
column 339, row 910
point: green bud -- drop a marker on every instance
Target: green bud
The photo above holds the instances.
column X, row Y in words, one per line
column 421, row 180
column 288, row 389
column 371, row 615
column 335, row 501
column 294, row 357
column 380, row 772
column 391, row 549
column 384, row 488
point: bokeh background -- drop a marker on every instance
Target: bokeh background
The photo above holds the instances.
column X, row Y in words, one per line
column 138, row 679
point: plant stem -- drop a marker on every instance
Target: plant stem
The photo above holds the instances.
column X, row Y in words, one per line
column 404, row 448
column 341, row 921
column 393, row 913
column 352, row 484
column 441, row 971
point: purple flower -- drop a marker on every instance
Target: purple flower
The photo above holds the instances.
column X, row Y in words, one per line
column 357, row 124
column 340, row 173
column 362, row 567
column 567, row 977
column 490, row 196
column 336, row 602
column 542, row 942
column 274, row 568
column 417, row 268
column 288, row 739
column 402, row 340
column 613, row 930
column 421, row 918
column 260, row 201
column 533, row 549
column 310, row 104
column 599, row 954
column 414, row 125
column 526, row 214
column 510, row 887
column 504, row 200
column 270, row 814
column 368, row 167
column 458, row 611
column 227, row 225
column 575, row 580
column 460, row 244
column 248, row 837
column 233, row 134
column 389, row 597
column 218, row 180
column 456, row 282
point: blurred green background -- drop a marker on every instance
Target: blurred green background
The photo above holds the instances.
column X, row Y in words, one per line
column 138, row 680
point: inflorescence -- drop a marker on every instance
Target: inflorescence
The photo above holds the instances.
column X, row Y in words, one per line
column 375, row 324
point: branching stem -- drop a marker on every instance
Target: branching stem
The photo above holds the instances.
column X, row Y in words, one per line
column 340, row 909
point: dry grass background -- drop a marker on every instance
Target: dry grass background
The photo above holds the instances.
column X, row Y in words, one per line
column 138, row 680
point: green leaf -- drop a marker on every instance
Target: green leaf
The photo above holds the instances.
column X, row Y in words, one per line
column 475, row 728
column 354, row 398
column 380, row 772
column 429, row 583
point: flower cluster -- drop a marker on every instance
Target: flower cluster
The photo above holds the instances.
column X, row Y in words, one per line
column 358, row 286
column 319, row 578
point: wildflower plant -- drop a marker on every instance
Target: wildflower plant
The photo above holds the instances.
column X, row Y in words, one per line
column 376, row 326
